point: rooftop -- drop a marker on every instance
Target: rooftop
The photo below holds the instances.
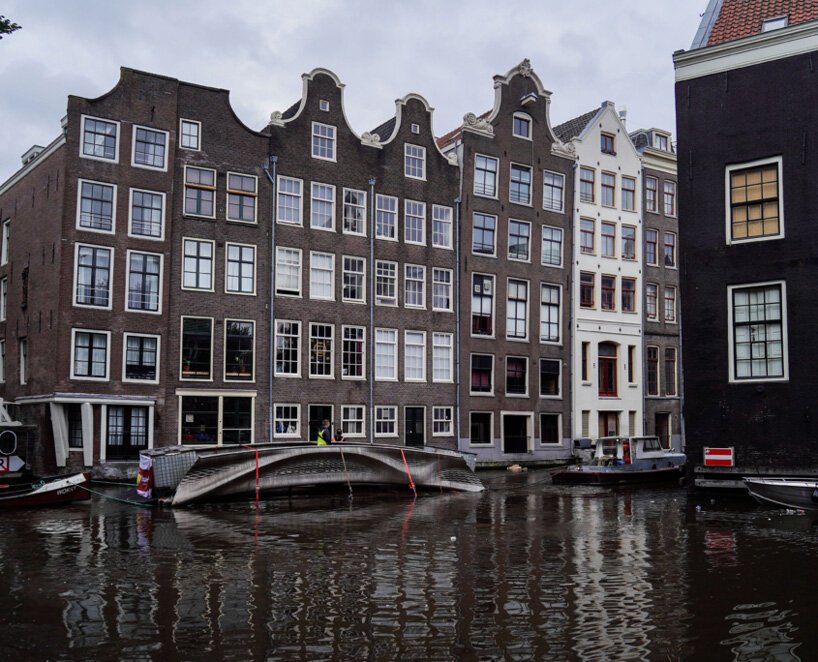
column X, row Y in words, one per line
column 728, row 20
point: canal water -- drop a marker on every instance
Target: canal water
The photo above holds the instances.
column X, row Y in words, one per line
column 523, row 571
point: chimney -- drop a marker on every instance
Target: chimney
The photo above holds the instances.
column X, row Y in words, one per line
column 31, row 154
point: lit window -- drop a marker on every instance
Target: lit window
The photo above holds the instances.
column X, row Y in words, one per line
column 755, row 201
column 288, row 271
column 386, row 354
column 386, row 217
column 354, row 275
column 197, row 347
column 485, row 176
column 414, row 356
column 322, row 207
column 586, row 184
column 628, row 193
column 483, row 234
column 553, row 191
column 442, row 357
column 93, row 276
column 482, row 305
column 241, row 197
column 354, row 212
column 241, row 269
column 549, row 313
column 352, row 352
column 144, row 279
column 520, row 185
column 322, row 276
column 608, row 189
column 322, row 350
column 323, row 141
column 414, row 222
column 521, row 126
column 90, row 354
column 414, row 284
column 189, row 131
column 287, row 343
column 198, row 265
column 517, row 309
column 149, row 148
column 97, row 208
column 414, row 161
column 147, row 213
column 141, row 358
column 441, row 226
column 441, row 289
column 289, row 200
column 386, row 283
column 200, row 192
column 516, row 375
column 99, row 139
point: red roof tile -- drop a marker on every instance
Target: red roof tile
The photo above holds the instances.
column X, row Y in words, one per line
column 446, row 138
column 743, row 18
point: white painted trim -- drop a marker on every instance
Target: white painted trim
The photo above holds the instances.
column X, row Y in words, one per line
column 224, row 352
column 227, row 246
column 331, row 256
column 547, row 444
column 197, row 186
column 161, row 279
column 158, row 339
column 562, row 246
column 334, row 157
column 422, row 159
column 300, row 196
column 300, row 272
column 164, row 167
column 333, row 203
column 183, row 121
column 111, row 251
column 363, row 275
column 344, row 192
column 331, row 374
column 728, row 221
column 288, row 435
column 229, row 192
column 363, row 352
column 82, row 228
column 406, row 378
column 85, row 378
column 145, row 237
column 181, row 347
column 212, row 265
column 297, row 373
column 83, row 119
column 490, row 444
column 413, row 306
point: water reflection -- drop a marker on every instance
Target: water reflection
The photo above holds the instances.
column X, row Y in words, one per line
column 525, row 571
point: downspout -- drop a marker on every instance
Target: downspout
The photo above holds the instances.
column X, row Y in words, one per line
column 572, row 298
column 371, row 351
column 270, row 167
column 457, row 203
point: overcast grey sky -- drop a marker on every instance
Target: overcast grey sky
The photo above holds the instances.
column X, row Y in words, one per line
column 584, row 51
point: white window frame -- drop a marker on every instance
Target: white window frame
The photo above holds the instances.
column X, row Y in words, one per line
column 395, row 284
column 449, row 351
column 526, row 118
column 550, row 444
column 393, row 211
column 345, row 419
column 658, row 248
column 422, row 345
column 363, row 339
column 78, row 225
column 194, row 378
column 410, row 165
column 449, row 285
column 344, row 271
column 490, row 443
column 344, row 205
column 299, row 267
column 442, row 217
column 496, row 188
column 313, row 289
column 407, row 280
column 4, row 297
column 111, row 251
column 483, row 394
column 529, row 250
column 134, row 164
column 524, row 338
column 159, row 302
column 333, row 139
column 558, row 265
column 2, row 361
column 675, row 319
column 296, row 433
column 522, row 166
column 6, row 234
column 297, row 373
column 331, row 202
column 299, row 197
column 231, row 191
column 182, row 122
column 655, row 317
column 22, row 345
column 527, row 376
column 393, row 419
column 496, row 230
column 559, row 314
column 728, row 224
column 393, row 369
column 158, row 340
column 85, row 378
column 131, row 233
column 561, row 208
column 653, row 208
column 422, row 217
column 331, row 338
column 199, row 186
column 212, row 263
column 227, row 246
column 446, row 420
column 84, row 119
column 493, row 279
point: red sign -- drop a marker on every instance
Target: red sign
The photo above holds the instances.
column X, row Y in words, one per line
column 719, row 457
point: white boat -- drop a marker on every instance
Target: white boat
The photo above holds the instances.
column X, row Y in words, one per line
column 796, row 493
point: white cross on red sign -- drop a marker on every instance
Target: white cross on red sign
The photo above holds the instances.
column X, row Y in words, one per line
column 719, row 457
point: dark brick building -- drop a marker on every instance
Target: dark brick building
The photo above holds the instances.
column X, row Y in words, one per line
column 745, row 99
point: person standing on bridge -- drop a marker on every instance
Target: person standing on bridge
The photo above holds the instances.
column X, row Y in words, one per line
column 325, row 433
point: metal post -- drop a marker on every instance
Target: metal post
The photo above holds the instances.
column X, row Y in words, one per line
column 270, row 167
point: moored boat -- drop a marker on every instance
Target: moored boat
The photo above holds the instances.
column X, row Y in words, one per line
column 626, row 460
column 45, row 491
column 796, row 493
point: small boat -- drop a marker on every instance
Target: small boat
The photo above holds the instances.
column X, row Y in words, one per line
column 45, row 491
column 796, row 493
column 626, row 460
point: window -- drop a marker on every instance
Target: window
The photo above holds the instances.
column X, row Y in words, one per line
column 485, row 176
column 322, row 207
column 521, row 126
column 482, row 305
column 586, row 184
column 774, row 23
column 587, row 286
column 551, row 246
column 553, row 191
column 323, row 141
column 216, row 420
column 516, row 375
column 386, row 354
column 628, row 295
column 586, row 349
column 587, row 231
column 147, row 214
column 670, row 249
column 414, row 222
column 608, row 189
column 414, row 286
column 442, row 357
column 144, row 279
column 149, row 148
column 4, row 242
column 354, row 276
column 386, row 421
column 653, row 370
column 520, row 186
column 414, row 358
column 386, row 217
column 670, row 199
column 127, row 431
column 141, row 358
column 352, row 420
column 289, row 193
column 483, row 236
column 628, row 242
column 670, row 304
column 386, row 283
column 93, row 276
column 628, row 193
column 23, row 349
column 99, row 139
column 2, row 361
column 97, row 209
column 517, row 309
column 241, row 197
column 442, row 420
column 482, row 367
column 352, row 352
column 288, row 271
column 288, row 355
column 197, row 347
column 670, row 371
column 651, row 247
column 549, row 313
column 323, row 105
column 4, row 296
column 441, row 289
column 441, row 226
column 322, row 276
column 198, row 265
column 414, row 128
column 660, row 142
column 189, row 132
column 651, row 193
column 200, row 192
column 287, row 420
column 759, row 340
column 519, row 240
column 414, row 161
column 651, row 301
column 322, row 350
column 239, row 345
column 608, row 243
column 607, row 369
column 631, row 367
column 606, row 143
column 608, row 287
column 480, row 428
column 89, row 352
column 550, row 429
column 550, row 377
column 755, row 195
column 354, row 212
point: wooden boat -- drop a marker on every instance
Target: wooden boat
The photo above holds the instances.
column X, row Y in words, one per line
column 796, row 493
column 626, row 460
column 45, row 491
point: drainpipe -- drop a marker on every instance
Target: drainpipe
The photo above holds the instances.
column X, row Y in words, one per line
column 371, row 351
column 457, row 203
column 571, row 333
column 270, row 167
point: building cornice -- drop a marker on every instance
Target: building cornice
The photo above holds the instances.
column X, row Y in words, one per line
column 657, row 159
column 757, row 49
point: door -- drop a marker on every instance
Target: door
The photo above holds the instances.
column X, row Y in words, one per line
column 609, row 424
column 414, row 424
column 662, row 427
column 515, row 434
column 317, row 414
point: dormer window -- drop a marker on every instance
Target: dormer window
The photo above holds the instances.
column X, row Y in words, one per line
column 776, row 23
column 521, row 126
column 606, row 143
column 660, row 142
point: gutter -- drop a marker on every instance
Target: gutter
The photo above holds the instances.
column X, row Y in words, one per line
column 270, row 168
